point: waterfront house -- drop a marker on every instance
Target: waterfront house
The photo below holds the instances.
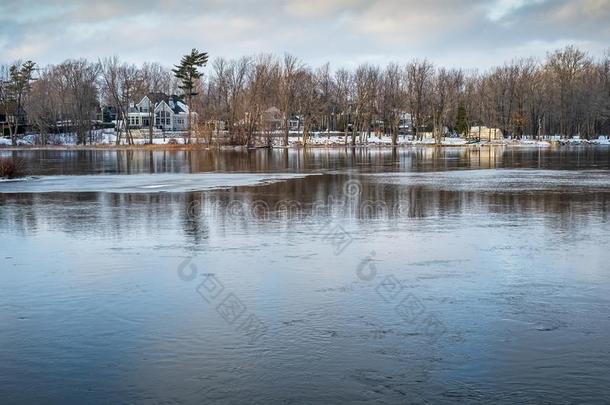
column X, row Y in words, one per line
column 168, row 113
column 485, row 134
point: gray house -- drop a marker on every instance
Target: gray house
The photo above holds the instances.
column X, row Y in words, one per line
column 170, row 113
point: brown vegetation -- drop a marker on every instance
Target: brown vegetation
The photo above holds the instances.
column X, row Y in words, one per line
column 11, row 168
column 567, row 93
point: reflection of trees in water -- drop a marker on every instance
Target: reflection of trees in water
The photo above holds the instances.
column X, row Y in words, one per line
column 193, row 221
column 282, row 205
column 307, row 159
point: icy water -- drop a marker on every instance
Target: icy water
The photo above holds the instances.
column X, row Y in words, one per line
column 319, row 276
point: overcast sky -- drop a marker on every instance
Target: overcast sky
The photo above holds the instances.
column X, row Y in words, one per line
column 460, row 33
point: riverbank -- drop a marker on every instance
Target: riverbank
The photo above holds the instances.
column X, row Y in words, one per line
column 182, row 147
column 107, row 139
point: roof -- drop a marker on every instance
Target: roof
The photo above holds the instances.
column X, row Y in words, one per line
column 157, row 97
column 176, row 103
column 272, row 110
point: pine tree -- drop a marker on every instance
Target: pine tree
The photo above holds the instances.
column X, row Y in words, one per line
column 20, row 82
column 188, row 73
column 461, row 125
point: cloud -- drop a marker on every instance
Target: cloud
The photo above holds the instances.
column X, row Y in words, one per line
column 413, row 22
column 501, row 8
column 469, row 33
column 319, row 8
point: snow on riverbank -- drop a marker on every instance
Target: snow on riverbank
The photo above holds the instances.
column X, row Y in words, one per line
column 108, row 137
column 386, row 140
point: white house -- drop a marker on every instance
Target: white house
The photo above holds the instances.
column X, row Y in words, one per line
column 405, row 124
column 170, row 113
column 486, row 134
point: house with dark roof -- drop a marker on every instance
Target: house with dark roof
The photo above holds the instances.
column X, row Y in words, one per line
column 10, row 117
column 271, row 119
column 169, row 113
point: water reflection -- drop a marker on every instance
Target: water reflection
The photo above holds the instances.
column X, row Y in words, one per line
column 57, row 162
column 286, row 203
column 512, row 262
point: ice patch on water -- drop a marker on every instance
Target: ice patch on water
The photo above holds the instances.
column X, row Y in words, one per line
column 502, row 180
column 142, row 183
column 157, row 186
column 18, row 179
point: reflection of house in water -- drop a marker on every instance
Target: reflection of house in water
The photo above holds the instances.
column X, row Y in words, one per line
column 485, row 157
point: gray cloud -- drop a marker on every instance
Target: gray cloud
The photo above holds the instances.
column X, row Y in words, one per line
column 467, row 33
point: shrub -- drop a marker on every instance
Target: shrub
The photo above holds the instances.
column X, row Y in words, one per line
column 11, row 168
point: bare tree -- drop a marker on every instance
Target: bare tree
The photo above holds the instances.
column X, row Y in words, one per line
column 121, row 85
column 419, row 84
column 325, row 107
column 568, row 93
column 80, row 95
column 155, row 79
column 42, row 104
column 366, row 82
column 393, row 100
column 343, row 94
column 291, row 69
column 307, row 99
column 259, row 94
column 567, row 67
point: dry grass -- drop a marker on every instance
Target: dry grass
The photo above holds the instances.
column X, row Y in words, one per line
column 11, row 168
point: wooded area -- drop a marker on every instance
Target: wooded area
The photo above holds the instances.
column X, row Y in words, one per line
column 568, row 93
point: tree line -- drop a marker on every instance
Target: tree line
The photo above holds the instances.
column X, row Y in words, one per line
column 567, row 93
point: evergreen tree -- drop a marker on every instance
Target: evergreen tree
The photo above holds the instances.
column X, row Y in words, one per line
column 20, row 82
column 187, row 72
column 461, row 125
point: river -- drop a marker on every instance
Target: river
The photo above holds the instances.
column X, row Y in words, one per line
column 306, row 276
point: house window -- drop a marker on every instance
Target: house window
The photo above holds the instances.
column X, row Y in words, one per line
column 164, row 118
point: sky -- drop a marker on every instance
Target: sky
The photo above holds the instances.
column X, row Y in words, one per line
column 452, row 33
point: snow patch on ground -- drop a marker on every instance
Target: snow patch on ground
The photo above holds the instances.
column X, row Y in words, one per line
column 108, row 136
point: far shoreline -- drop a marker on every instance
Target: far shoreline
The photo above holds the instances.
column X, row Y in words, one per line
column 201, row 147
